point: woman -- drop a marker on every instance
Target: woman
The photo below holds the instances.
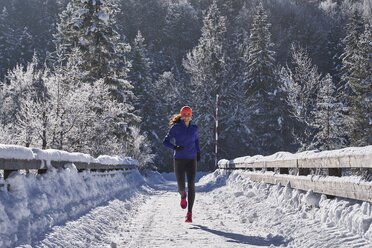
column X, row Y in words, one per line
column 186, row 154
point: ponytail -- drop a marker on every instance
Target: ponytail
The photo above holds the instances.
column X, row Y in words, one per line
column 175, row 118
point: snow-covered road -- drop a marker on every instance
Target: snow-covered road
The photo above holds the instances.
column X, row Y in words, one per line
column 160, row 223
column 154, row 219
column 230, row 211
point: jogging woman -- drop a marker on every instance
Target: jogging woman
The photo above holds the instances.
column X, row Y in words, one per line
column 186, row 154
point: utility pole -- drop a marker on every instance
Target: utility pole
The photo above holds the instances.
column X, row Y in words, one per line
column 216, row 136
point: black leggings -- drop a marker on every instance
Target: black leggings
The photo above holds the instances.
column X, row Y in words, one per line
column 187, row 167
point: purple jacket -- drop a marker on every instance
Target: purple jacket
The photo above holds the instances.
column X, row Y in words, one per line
column 183, row 136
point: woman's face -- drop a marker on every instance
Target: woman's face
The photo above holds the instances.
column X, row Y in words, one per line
column 187, row 118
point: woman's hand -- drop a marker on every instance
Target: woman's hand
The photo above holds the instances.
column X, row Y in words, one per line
column 178, row 148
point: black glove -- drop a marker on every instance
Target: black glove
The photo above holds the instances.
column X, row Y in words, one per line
column 198, row 156
column 178, row 148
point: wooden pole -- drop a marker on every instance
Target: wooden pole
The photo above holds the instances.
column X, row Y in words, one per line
column 216, row 136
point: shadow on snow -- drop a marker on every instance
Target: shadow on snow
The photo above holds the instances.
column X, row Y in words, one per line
column 244, row 239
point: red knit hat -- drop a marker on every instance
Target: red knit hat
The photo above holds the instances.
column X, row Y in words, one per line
column 185, row 110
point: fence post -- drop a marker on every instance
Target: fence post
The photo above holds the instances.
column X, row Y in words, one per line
column 283, row 171
column 337, row 172
column 7, row 173
column 303, row 171
column 41, row 171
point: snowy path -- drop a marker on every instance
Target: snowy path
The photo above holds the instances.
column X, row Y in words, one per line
column 234, row 213
column 160, row 223
column 155, row 219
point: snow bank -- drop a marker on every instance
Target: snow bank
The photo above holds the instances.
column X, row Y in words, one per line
column 36, row 203
column 288, row 210
column 349, row 151
column 20, row 152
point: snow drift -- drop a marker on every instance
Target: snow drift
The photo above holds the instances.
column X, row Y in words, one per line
column 282, row 208
column 36, row 203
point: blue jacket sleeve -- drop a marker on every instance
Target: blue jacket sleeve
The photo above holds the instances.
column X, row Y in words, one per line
column 168, row 138
column 197, row 141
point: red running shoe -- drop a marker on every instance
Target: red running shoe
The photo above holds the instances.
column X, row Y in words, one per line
column 183, row 202
column 188, row 217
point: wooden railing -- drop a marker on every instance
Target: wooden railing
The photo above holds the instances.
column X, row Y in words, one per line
column 275, row 169
column 39, row 161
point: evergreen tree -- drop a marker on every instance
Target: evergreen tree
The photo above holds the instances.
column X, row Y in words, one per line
column 5, row 42
column 360, row 80
column 206, row 66
column 91, row 26
column 235, row 114
column 329, row 119
column 354, row 29
column 181, row 29
column 335, row 49
column 140, row 77
column 262, row 88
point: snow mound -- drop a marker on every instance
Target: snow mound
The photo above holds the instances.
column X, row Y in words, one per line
column 14, row 151
column 311, row 199
column 58, row 155
column 115, row 160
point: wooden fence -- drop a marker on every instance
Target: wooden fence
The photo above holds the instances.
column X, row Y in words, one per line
column 335, row 163
column 9, row 165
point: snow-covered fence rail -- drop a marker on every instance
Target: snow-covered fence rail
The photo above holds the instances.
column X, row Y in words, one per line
column 13, row 158
column 276, row 168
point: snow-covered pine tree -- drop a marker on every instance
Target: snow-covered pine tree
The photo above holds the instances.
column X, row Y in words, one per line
column 5, row 42
column 91, row 26
column 144, row 91
column 236, row 128
column 360, row 81
column 206, row 66
column 335, row 48
column 354, row 29
column 15, row 43
column 262, row 88
column 329, row 118
column 140, row 77
column 300, row 84
column 181, row 29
